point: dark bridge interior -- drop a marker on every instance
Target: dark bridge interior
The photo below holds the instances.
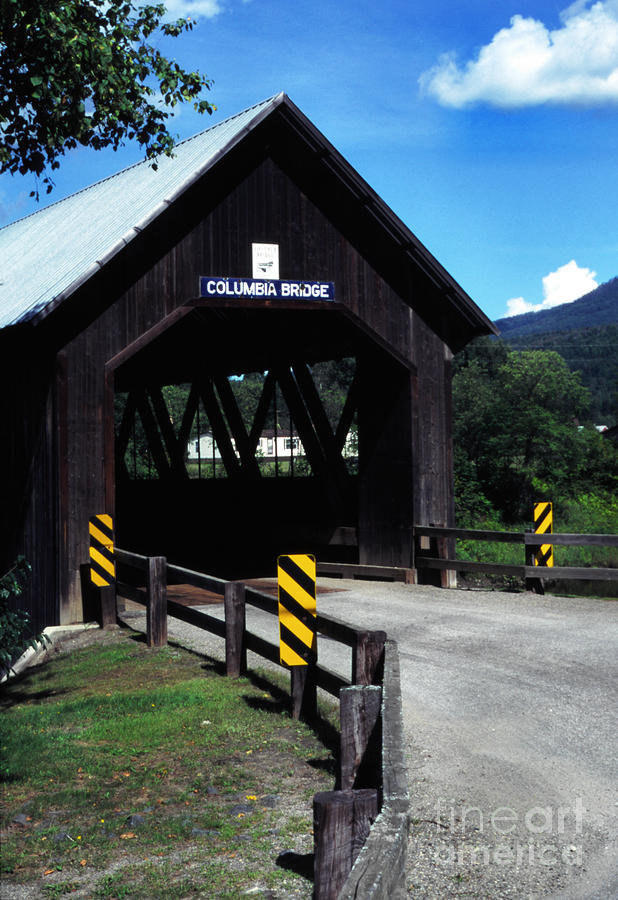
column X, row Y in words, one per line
column 232, row 511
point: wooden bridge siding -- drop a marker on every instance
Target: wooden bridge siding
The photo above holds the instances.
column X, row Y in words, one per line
column 433, row 465
column 131, row 315
column 406, row 451
column 268, row 207
column 28, row 490
column 386, row 476
column 159, row 271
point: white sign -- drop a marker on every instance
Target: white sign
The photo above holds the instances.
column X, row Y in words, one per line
column 265, row 260
column 265, row 288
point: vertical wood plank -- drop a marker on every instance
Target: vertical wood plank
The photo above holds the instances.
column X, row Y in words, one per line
column 385, row 490
column 235, row 647
column 156, row 587
column 62, row 526
column 532, row 584
column 360, row 755
column 448, row 577
column 109, row 445
column 107, row 605
column 333, row 820
column 341, row 823
column 367, row 656
column 366, row 809
column 303, row 690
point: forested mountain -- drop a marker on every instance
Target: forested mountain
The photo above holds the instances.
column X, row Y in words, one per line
column 599, row 307
column 585, row 334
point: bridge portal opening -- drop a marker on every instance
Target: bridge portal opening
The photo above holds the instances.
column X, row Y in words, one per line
column 236, row 437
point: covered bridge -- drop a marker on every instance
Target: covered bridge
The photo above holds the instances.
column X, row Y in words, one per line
column 256, row 249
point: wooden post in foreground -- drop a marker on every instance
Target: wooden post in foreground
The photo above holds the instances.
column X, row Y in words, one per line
column 360, row 708
column 156, row 610
column 235, row 646
column 367, row 656
column 304, row 693
column 341, row 823
column 445, row 548
column 107, row 605
column 532, row 584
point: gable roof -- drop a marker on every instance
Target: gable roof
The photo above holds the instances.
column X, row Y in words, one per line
column 49, row 254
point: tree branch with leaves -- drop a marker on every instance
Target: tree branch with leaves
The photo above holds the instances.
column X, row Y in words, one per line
column 15, row 632
column 89, row 73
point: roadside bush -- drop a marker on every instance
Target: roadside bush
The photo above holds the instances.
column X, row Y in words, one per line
column 590, row 514
column 15, row 631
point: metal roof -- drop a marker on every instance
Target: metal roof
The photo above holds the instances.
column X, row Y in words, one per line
column 47, row 255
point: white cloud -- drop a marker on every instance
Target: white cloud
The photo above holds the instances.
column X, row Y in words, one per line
column 192, row 9
column 567, row 283
column 527, row 64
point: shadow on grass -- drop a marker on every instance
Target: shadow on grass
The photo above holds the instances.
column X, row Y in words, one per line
column 330, row 765
column 301, row 863
column 14, row 691
column 137, row 637
column 279, row 702
column 326, row 733
column 210, row 664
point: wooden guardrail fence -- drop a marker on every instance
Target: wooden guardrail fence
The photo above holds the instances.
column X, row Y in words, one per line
column 343, row 817
column 433, row 550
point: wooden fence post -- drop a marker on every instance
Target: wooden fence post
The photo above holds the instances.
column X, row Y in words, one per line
column 107, row 605
column 235, row 644
column 428, row 546
column 361, row 738
column 341, row 823
column 303, row 690
column 532, row 584
column 445, row 549
column 367, row 656
column 156, row 593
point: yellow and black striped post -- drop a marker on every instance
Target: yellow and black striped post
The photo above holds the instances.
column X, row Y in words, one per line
column 297, row 610
column 102, row 566
column 544, row 524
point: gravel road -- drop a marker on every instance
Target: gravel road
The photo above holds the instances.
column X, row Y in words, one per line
column 509, row 712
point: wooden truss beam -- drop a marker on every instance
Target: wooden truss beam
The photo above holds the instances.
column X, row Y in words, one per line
column 306, row 432
column 268, row 390
column 155, row 443
column 237, row 427
column 350, row 408
column 219, row 428
column 174, row 449
column 323, row 430
column 323, row 445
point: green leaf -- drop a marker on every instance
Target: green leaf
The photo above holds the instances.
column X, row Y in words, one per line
column 91, row 50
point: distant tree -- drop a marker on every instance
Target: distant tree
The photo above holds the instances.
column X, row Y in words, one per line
column 332, row 380
column 593, row 352
column 87, row 72
column 516, row 433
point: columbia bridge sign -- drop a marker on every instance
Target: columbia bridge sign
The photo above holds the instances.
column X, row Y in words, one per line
column 268, row 289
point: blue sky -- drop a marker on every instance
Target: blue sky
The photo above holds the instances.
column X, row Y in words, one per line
column 490, row 128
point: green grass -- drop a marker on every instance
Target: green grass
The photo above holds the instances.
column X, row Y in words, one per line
column 108, row 732
column 514, row 554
